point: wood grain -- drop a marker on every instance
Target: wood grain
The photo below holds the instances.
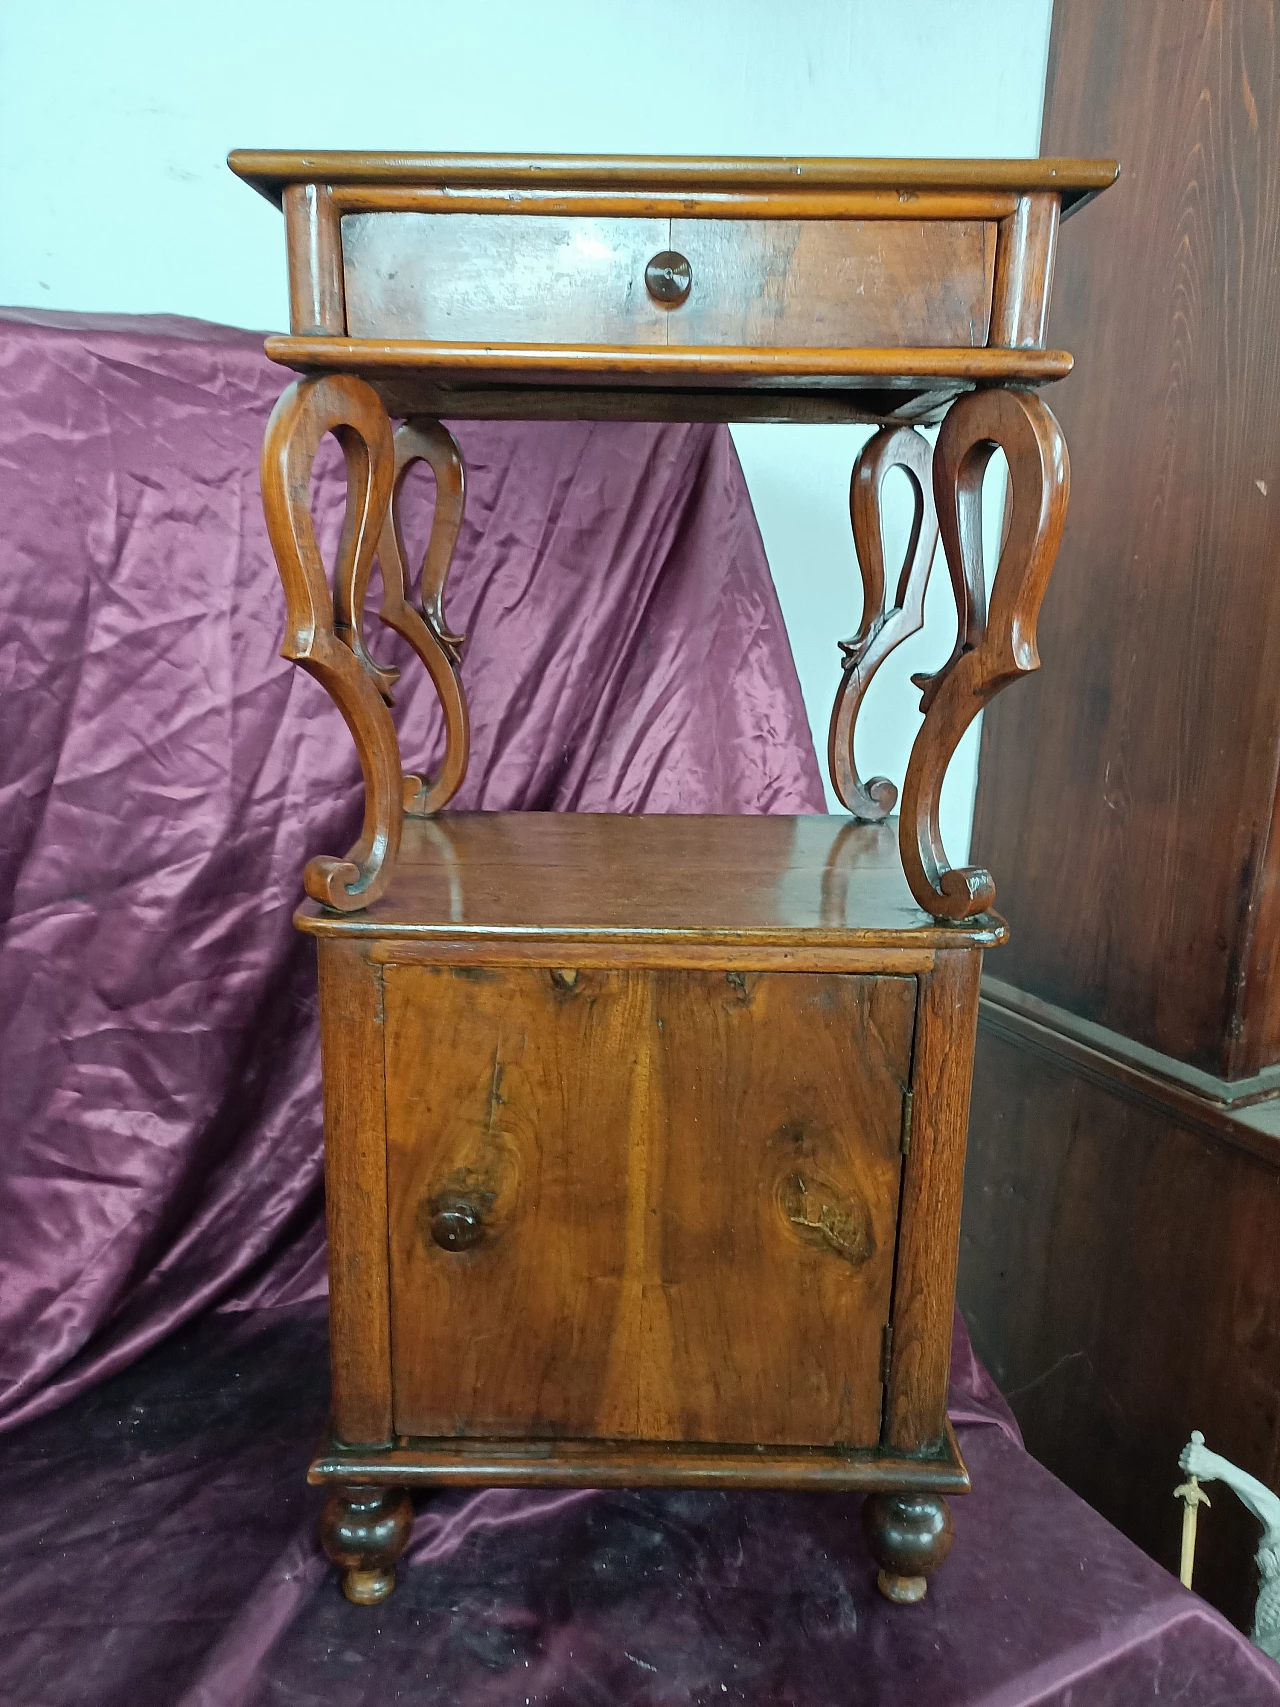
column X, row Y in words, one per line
column 323, row 630
column 1131, row 807
column 832, row 283
column 1120, row 1276
column 1026, row 248
column 355, row 1152
column 614, row 1203
column 992, row 649
column 481, row 278
column 924, row 1285
column 468, row 1463
column 313, row 238
column 269, row 171
column 558, row 364
column 667, row 883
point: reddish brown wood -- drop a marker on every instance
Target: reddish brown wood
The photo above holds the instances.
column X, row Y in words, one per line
column 511, row 883
column 1025, row 251
column 323, row 632
column 425, row 628
column 909, row 1535
column 628, row 176
column 506, row 1463
column 881, row 629
column 313, row 233
column 991, row 651
column 351, row 1023
column 929, row 1233
column 365, row 1530
column 647, row 1135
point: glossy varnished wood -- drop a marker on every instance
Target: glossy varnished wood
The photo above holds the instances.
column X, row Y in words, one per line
column 924, row 1290
column 621, row 1141
column 270, row 171
column 419, row 1463
column 671, row 1111
column 355, row 1150
column 669, row 885
column 459, row 277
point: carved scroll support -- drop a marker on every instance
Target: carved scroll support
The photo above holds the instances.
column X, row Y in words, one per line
column 324, row 625
column 426, row 629
column 991, row 650
column 880, row 630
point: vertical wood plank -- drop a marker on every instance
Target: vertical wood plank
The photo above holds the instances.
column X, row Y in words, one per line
column 1026, row 245
column 933, row 1179
column 355, row 1142
column 313, row 236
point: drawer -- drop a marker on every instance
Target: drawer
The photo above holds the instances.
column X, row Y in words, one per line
column 643, row 1205
column 538, row 278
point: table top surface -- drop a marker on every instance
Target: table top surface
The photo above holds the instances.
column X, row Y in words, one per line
column 270, row 171
column 753, row 881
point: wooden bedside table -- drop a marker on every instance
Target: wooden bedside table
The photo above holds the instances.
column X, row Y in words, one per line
column 645, row 1136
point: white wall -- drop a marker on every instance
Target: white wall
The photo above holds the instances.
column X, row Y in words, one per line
column 115, row 122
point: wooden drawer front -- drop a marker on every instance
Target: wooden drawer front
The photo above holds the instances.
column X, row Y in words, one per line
column 535, row 278
column 834, row 284
column 501, row 278
column 686, row 1189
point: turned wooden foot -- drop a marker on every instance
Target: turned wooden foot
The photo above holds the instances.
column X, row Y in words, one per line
column 909, row 1536
column 365, row 1530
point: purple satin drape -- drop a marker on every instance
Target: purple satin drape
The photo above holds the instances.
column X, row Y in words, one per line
column 164, row 774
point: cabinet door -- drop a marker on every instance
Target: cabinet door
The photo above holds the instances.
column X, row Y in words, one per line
column 643, row 1205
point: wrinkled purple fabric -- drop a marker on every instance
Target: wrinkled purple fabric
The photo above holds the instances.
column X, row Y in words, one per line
column 164, row 775
column 157, row 1546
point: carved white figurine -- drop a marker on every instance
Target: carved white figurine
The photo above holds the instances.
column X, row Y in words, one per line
column 1205, row 1466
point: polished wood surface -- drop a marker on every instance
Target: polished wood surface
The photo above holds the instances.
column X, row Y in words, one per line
column 459, row 278
column 666, row 882
column 270, row 171
column 462, row 1463
column 933, row 1178
column 355, row 1163
column 1134, row 805
column 883, row 628
column 907, row 368
column 757, row 1125
column 995, row 647
column 648, row 1158
column 313, row 233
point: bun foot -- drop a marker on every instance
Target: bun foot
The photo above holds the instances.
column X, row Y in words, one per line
column 367, row 1588
column 909, row 1536
column 365, row 1530
column 903, row 1591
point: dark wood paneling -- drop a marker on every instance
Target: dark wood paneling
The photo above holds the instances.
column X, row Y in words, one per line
column 1120, row 1276
column 1126, row 796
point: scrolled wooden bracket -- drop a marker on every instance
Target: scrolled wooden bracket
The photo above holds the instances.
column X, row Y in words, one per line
column 991, row 650
column 440, row 650
column 880, row 630
column 323, row 632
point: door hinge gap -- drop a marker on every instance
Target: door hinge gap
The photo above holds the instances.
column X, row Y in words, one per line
column 886, row 1353
column 907, row 1100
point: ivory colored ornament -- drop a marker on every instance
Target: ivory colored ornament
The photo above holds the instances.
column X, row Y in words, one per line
column 1201, row 1465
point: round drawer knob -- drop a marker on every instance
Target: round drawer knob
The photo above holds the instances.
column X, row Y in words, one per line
column 668, row 278
column 456, row 1225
